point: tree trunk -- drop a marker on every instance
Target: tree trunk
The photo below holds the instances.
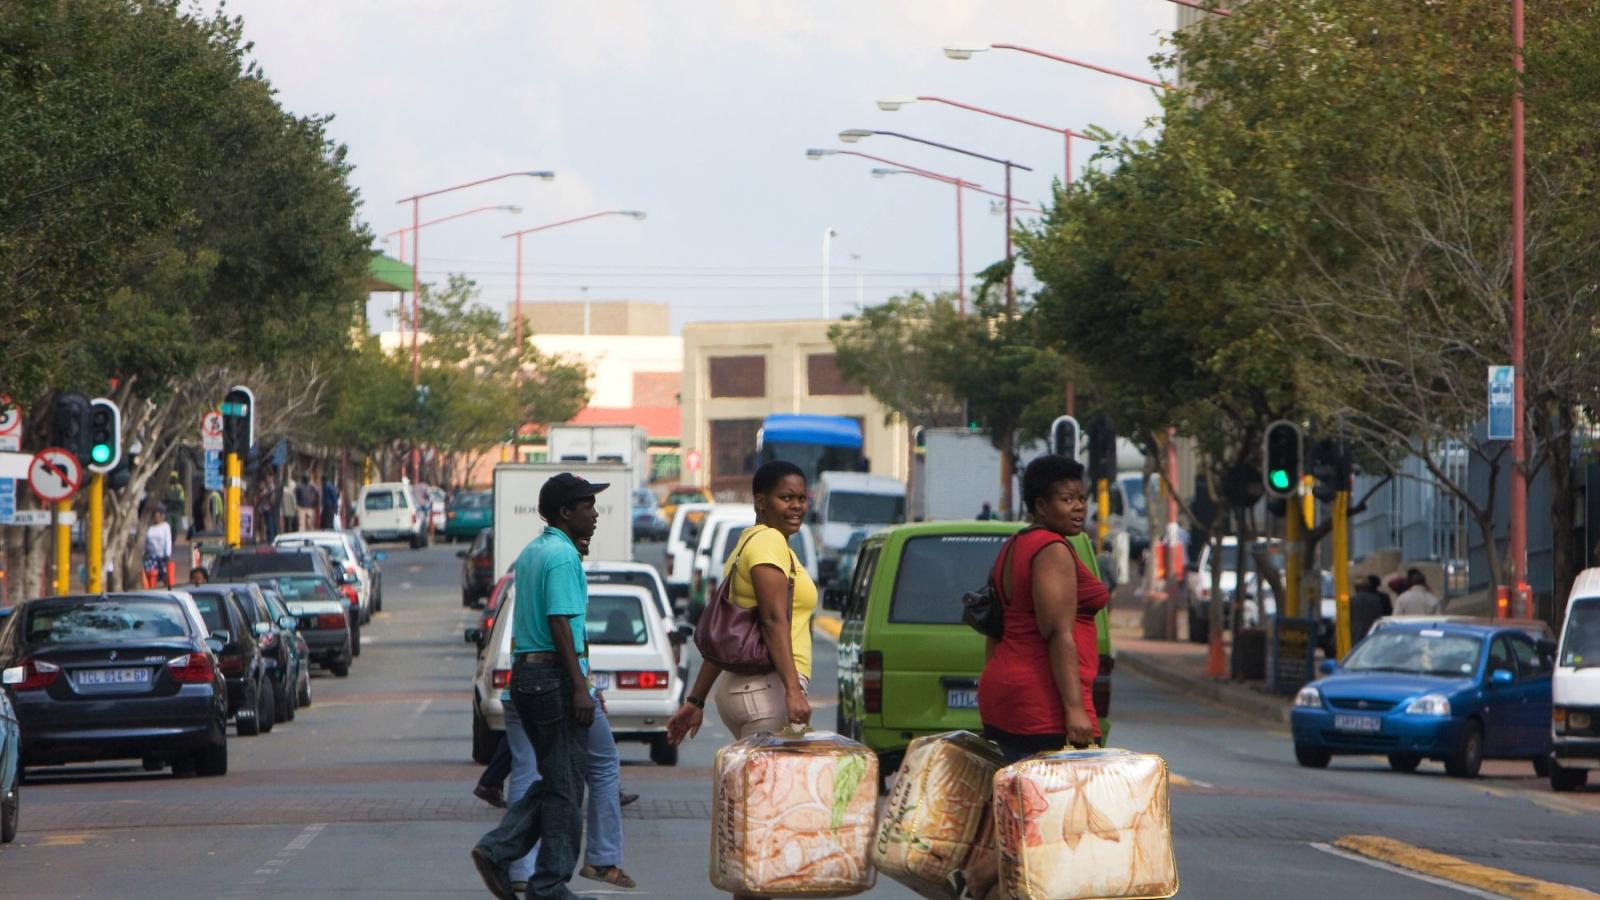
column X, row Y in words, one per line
column 1245, row 535
column 1008, row 466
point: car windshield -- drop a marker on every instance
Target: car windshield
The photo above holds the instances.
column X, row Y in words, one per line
column 1426, row 652
column 305, row 590
column 472, row 501
column 935, row 571
column 730, row 540
column 625, row 576
column 334, row 549
column 866, row 509
column 379, row 500
column 210, row 606
column 614, row 620
column 274, row 604
column 1133, row 490
column 1582, row 643
column 692, row 521
column 106, row 621
column 238, row 565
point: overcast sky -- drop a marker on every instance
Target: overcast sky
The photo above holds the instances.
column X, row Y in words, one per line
column 698, row 113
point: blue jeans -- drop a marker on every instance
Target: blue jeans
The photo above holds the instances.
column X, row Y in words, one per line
column 603, row 819
column 552, row 808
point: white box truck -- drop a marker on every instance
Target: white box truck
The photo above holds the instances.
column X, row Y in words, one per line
column 626, row 444
column 516, row 508
column 959, row 471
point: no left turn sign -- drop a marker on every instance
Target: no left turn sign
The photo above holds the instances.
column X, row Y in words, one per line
column 54, row 475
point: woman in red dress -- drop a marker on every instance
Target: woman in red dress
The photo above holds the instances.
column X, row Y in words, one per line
column 1036, row 691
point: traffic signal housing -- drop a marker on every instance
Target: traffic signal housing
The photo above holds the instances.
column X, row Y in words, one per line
column 1102, row 448
column 105, row 435
column 69, row 425
column 238, row 420
column 1329, row 464
column 1282, row 458
column 1065, row 437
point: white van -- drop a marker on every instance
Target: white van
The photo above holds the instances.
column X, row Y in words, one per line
column 1575, row 689
column 389, row 511
column 844, row 501
column 682, row 537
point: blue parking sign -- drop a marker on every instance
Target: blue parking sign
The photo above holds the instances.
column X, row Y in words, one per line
column 1502, row 403
column 213, row 470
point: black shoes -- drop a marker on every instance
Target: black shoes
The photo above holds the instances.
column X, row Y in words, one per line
column 495, row 878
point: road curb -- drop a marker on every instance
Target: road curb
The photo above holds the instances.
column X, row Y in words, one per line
column 1457, row 871
column 1238, row 698
column 829, row 624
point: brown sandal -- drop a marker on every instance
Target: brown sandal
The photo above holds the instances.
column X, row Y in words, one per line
column 612, row 875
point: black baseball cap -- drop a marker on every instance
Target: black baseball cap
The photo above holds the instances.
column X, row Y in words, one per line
column 566, row 488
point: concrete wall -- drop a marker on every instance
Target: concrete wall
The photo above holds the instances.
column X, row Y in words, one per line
column 615, row 317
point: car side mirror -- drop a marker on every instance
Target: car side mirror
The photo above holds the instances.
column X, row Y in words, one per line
column 221, row 636
column 262, row 628
column 215, row 645
column 682, row 634
column 287, row 623
column 1501, row 676
column 474, row 636
column 381, row 555
column 1328, row 667
column 461, row 554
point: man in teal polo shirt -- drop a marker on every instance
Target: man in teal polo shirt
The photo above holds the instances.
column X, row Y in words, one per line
column 550, row 690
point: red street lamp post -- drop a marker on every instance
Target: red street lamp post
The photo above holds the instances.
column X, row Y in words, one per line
column 1518, row 532
column 416, row 264
column 630, row 213
column 851, row 135
column 965, row 51
column 405, row 229
column 1067, row 134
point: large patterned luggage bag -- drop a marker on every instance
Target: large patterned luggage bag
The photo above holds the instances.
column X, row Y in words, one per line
column 934, row 823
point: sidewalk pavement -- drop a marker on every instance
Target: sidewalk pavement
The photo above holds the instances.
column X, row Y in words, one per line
column 1181, row 665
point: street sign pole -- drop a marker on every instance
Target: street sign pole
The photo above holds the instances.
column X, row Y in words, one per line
column 1102, row 493
column 1293, row 525
column 94, row 537
column 63, row 548
column 235, row 479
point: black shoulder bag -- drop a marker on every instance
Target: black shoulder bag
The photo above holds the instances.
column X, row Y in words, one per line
column 983, row 610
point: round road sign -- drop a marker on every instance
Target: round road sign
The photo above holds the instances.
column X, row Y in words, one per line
column 692, row 458
column 211, row 424
column 54, row 475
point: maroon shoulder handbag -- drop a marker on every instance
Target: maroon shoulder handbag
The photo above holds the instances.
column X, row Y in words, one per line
column 730, row 635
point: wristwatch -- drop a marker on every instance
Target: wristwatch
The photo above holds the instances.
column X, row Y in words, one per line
column 701, row 704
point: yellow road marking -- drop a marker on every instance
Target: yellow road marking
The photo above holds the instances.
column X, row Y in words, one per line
column 829, row 626
column 1456, row 870
column 71, row 839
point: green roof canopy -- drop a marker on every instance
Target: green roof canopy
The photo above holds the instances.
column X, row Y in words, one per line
column 385, row 273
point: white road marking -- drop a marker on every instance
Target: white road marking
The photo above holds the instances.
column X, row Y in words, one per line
column 274, row 865
column 1379, row 864
column 421, row 708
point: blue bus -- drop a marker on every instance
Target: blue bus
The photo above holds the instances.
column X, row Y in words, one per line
column 816, row 444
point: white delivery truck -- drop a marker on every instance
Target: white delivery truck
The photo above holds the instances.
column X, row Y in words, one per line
column 516, row 509
column 626, row 444
column 959, row 471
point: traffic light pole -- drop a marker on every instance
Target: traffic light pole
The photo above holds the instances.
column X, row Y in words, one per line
column 235, row 490
column 1341, row 572
column 63, row 548
column 1293, row 526
column 94, row 536
column 1102, row 499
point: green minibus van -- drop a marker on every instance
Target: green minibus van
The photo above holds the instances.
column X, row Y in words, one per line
column 908, row 667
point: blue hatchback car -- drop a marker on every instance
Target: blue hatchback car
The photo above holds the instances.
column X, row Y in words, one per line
column 1454, row 692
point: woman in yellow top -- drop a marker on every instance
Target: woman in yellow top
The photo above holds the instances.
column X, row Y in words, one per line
column 761, row 568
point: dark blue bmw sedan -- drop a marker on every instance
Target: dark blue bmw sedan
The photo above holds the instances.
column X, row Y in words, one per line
column 114, row 676
column 1454, row 692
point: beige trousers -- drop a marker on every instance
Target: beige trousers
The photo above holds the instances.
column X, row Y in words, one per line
column 750, row 704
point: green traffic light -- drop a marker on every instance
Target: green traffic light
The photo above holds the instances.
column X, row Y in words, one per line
column 1280, row 479
column 100, row 453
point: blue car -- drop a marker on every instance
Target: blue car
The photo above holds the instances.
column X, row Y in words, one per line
column 1454, row 692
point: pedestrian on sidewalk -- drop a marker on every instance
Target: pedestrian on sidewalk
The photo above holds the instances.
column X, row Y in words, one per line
column 289, row 506
column 330, row 503
column 1367, row 605
column 309, row 501
column 551, row 697
column 1416, row 600
column 1036, row 692
column 158, row 550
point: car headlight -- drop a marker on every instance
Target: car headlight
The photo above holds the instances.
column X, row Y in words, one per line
column 1309, row 697
column 1430, row 705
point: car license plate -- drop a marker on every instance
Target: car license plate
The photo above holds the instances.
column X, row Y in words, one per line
column 113, row 676
column 1367, row 724
column 961, row 698
column 600, row 680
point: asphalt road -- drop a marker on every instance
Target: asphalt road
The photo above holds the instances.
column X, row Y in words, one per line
column 368, row 794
